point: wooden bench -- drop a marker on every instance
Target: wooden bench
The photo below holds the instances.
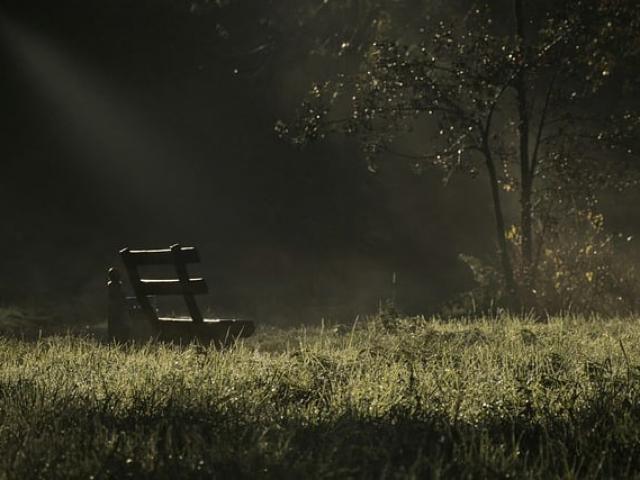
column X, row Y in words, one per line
column 136, row 317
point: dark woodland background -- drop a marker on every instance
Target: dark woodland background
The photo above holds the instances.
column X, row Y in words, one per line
column 135, row 123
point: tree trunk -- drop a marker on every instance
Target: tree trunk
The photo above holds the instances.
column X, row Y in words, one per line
column 526, row 174
column 507, row 268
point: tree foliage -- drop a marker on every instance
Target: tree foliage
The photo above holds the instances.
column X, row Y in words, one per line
column 541, row 102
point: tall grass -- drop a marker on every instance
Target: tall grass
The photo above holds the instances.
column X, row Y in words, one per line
column 485, row 399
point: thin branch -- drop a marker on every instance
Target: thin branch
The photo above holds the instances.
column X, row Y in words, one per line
column 543, row 117
column 431, row 156
column 487, row 127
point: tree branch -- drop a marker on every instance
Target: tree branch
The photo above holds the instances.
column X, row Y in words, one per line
column 543, row 117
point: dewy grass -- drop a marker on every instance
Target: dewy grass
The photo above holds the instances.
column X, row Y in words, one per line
column 433, row 399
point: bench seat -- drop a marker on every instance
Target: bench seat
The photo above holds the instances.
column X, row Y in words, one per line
column 139, row 319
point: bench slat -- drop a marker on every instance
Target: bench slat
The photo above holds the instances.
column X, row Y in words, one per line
column 162, row 256
column 195, row 286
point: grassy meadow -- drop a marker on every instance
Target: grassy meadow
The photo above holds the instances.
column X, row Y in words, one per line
column 500, row 398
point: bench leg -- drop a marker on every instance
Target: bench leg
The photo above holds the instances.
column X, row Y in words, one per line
column 117, row 319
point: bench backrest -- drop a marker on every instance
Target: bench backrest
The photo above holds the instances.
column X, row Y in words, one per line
column 179, row 257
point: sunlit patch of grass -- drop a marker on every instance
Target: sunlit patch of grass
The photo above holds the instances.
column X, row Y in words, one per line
column 490, row 398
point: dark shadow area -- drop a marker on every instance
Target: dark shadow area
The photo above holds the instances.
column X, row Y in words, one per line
column 150, row 441
column 129, row 123
column 124, row 126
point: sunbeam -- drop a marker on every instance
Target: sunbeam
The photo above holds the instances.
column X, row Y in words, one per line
column 98, row 123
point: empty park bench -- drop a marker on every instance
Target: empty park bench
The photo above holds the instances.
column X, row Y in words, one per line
column 137, row 318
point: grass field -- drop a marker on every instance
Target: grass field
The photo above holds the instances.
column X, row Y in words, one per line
column 485, row 399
